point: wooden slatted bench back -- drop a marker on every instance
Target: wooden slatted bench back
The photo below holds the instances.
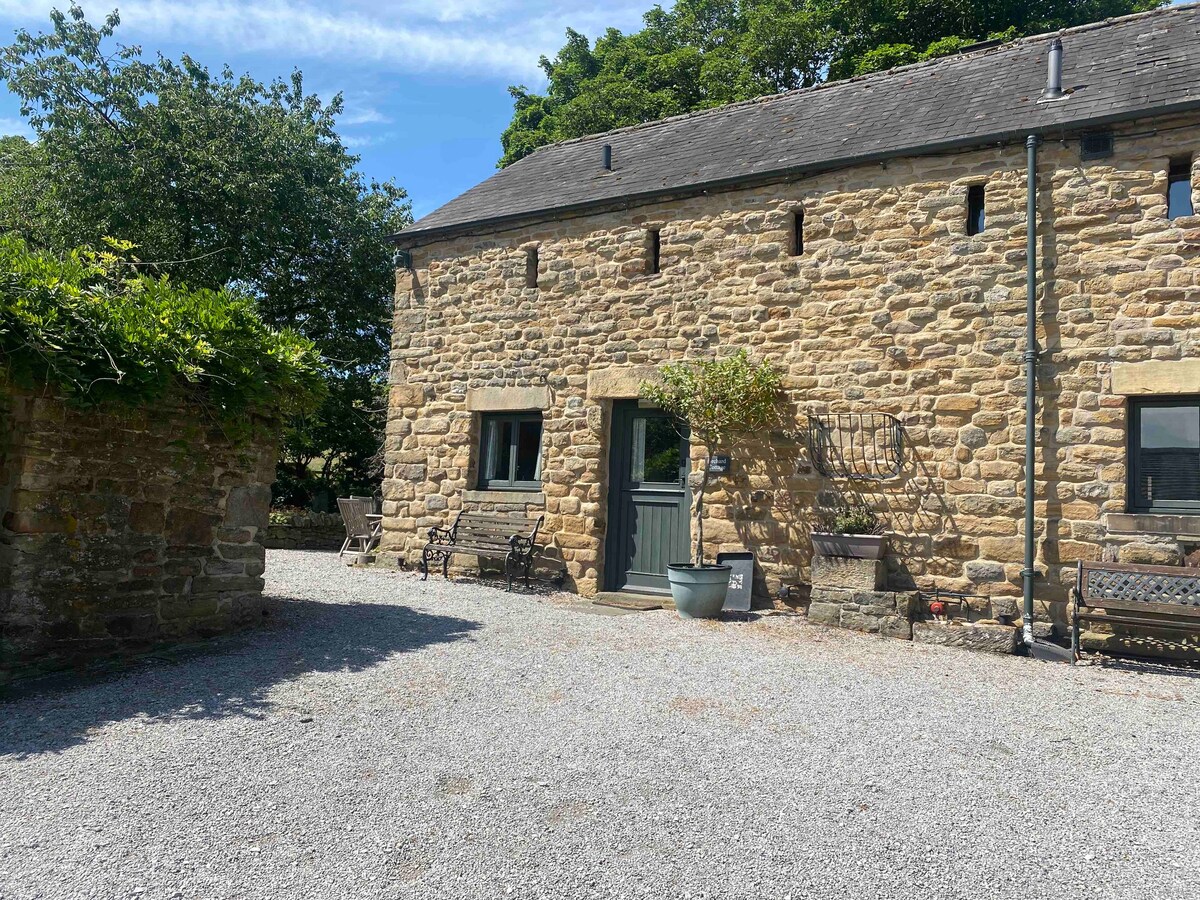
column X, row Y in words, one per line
column 490, row 534
column 1153, row 597
column 1172, row 590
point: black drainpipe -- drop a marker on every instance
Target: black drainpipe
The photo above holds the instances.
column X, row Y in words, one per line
column 1031, row 361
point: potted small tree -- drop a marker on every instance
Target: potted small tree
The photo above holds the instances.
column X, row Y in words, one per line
column 854, row 531
column 719, row 400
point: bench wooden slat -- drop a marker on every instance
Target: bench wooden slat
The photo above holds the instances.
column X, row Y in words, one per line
column 1138, row 620
column 476, row 525
column 505, row 521
column 1167, row 609
column 498, row 517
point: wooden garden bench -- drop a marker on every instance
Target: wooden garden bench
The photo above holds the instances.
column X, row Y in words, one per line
column 511, row 538
column 1166, row 597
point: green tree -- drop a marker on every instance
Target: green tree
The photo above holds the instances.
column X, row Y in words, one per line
column 704, row 53
column 720, row 400
column 219, row 180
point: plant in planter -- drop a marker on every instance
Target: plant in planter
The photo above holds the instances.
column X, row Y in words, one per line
column 851, row 531
column 720, row 400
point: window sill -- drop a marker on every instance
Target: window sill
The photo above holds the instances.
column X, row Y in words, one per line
column 491, row 495
column 1173, row 524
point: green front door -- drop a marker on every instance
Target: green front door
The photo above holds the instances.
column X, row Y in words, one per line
column 648, row 499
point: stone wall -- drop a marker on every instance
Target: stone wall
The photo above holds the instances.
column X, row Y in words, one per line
column 122, row 528
column 305, row 530
column 892, row 308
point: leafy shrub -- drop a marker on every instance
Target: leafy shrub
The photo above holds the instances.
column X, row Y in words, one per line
column 720, row 400
column 853, row 520
column 91, row 325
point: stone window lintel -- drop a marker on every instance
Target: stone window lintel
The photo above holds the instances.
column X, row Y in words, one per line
column 1157, row 378
column 508, row 399
column 1169, row 524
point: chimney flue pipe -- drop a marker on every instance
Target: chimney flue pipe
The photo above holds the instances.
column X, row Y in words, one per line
column 606, row 157
column 1054, row 88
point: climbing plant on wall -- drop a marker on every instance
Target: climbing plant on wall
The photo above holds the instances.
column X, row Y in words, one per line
column 97, row 329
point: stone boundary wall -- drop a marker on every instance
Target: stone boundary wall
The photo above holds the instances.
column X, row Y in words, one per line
column 121, row 528
column 892, row 308
column 305, row 531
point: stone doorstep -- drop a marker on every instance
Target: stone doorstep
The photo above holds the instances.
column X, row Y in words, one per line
column 969, row 636
column 637, row 602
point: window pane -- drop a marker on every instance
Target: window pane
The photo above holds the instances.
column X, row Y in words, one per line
column 975, row 209
column 496, row 440
column 1169, row 458
column 1179, row 198
column 529, row 451
column 661, row 451
column 637, row 445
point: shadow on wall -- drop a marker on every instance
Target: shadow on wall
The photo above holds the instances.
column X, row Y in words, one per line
column 777, row 501
column 232, row 676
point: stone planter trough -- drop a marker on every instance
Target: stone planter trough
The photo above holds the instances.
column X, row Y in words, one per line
column 854, row 546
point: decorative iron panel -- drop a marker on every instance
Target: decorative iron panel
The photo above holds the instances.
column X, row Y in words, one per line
column 859, row 446
column 1146, row 587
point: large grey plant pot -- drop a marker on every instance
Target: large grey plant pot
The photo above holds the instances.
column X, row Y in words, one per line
column 698, row 591
column 855, row 546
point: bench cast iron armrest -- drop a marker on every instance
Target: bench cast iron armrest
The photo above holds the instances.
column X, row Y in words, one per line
column 441, row 535
column 521, row 545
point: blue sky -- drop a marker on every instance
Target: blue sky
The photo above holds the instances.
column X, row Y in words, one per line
column 425, row 82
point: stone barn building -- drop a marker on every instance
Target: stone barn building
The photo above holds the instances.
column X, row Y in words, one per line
column 869, row 238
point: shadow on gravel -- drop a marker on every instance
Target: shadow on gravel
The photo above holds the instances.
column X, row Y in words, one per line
column 228, row 676
column 1142, row 666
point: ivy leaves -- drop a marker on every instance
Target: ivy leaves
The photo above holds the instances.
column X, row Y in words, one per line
column 91, row 325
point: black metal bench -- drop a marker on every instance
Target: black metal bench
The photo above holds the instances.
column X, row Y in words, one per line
column 1166, row 597
column 486, row 535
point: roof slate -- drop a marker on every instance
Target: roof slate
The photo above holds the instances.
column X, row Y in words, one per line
column 1114, row 70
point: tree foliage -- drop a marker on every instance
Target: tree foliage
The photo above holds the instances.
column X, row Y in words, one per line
column 720, row 400
column 89, row 323
column 218, row 180
column 705, row 53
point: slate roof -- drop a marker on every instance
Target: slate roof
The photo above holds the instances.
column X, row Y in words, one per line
column 1115, row 70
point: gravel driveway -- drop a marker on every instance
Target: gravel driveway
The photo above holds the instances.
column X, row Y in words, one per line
column 381, row 737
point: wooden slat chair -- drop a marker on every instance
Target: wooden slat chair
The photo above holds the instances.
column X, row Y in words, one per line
column 358, row 527
column 1166, row 597
column 485, row 535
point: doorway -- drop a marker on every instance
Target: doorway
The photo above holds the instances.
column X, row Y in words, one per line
column 648, row 499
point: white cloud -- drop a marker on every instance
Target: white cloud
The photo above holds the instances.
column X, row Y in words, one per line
column 360, row 141
column 362, row 116
column 492, row 37
column 15, row 126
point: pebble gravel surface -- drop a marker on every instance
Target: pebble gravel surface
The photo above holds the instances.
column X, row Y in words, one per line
column 384, row 737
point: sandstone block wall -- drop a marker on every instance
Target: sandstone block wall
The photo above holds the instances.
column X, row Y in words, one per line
column 305, row 531
column 122, row 528
column 892, row 308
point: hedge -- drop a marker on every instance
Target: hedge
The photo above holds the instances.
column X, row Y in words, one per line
column 94, row 326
